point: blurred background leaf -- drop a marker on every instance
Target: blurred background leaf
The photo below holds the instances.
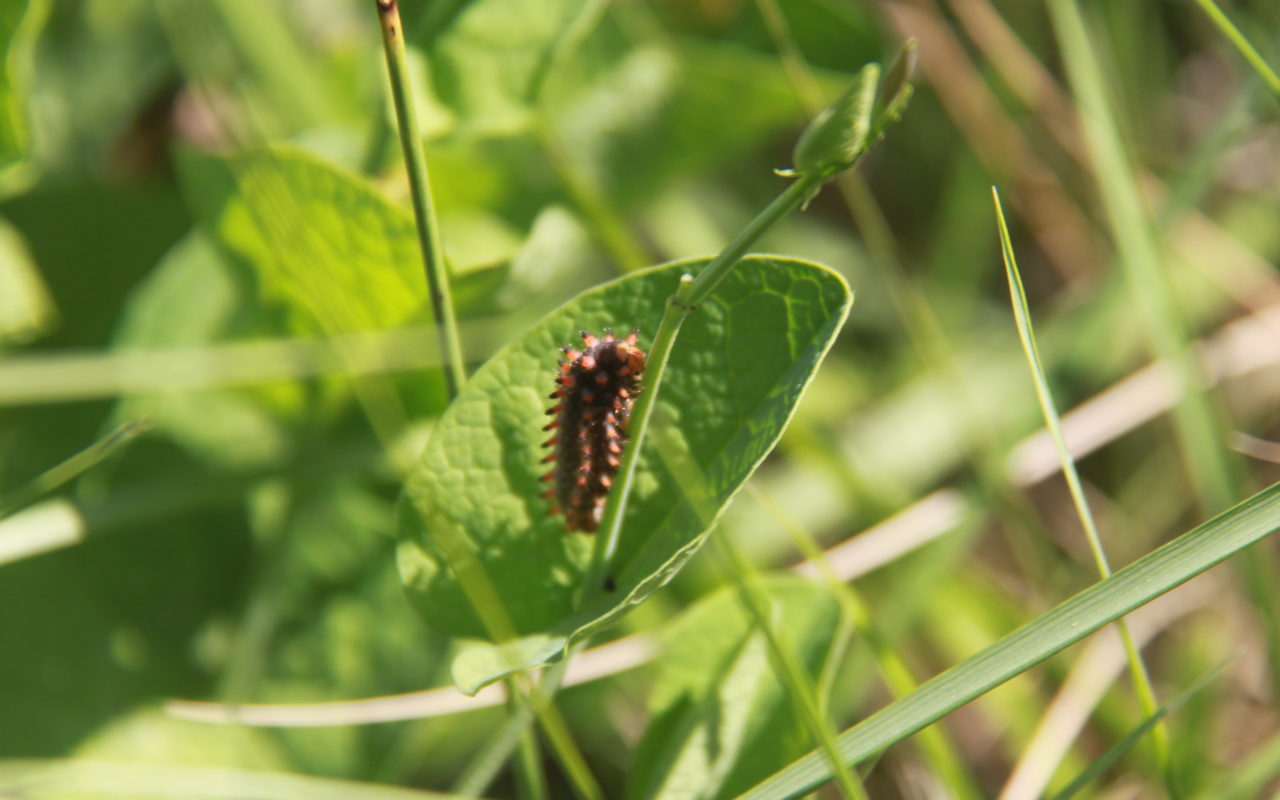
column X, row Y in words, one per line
column 204, row 222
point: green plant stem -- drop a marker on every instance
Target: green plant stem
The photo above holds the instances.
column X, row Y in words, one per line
column 606, row 544
column 566, row 751
column 797, row 194
column 919, row 320
column 533, row 782
column 485, row 765
column 82, row 461
column 794, row 679
column 474, row 580
column 688, row 295
column 420, row 188
column 1026, row 333
column 1242, row 44
column 878, row 238
column 530, row 778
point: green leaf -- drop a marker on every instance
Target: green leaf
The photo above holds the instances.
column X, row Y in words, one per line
column 71, row 778
column 322, row 242
column 472, row 504
column 485, row 62
column 26, row 310
column 192, row 298
column 20, row 21
column 110, row 645
column 721, row 719
column 1067, row 623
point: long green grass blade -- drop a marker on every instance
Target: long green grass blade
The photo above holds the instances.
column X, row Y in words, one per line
column 1026, row 333
column 68, row 470
column 1069, row 622
column 1134, row 736
column 1200, row 431
column 1242, row 44
column 1200, row 440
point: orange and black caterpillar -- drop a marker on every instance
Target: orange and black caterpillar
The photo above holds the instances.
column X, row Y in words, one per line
column 593, row 404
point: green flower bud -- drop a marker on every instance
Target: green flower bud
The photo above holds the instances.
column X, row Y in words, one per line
column 838, row 136
column 841, row 134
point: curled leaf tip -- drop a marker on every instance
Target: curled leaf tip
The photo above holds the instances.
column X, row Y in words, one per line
column 897, row 79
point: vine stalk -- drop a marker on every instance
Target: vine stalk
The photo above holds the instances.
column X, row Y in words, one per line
column 424, row 214
column 688, row 295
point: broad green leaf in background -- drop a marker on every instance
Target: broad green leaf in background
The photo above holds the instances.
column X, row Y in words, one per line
column 127, row 629
column 26, row 310
column 484, row 61
column 71, row 779
column 557, row 245
column 721, row 719
column 147, row 736
column 344, row 622
column 192, row 298
column 654, row 118
column 20, row 20
column 323, row 242
column 735, row 376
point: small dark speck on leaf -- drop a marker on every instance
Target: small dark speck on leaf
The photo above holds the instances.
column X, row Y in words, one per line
column 609, row 585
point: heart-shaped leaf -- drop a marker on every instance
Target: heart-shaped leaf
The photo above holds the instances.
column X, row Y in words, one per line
column 323, row 243
column 480, row 554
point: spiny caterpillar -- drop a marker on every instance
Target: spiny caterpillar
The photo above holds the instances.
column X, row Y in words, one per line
column 593, row 404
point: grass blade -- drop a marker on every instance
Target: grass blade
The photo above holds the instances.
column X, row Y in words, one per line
column 1199, row 434
column 424, row 212
column 1242, row 44
column 793, row 676
column 1140, row 582
column 1022, row 315
column 1123, row 746
column 68, row 470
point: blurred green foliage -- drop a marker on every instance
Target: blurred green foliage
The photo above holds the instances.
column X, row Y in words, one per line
column 220, row 184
